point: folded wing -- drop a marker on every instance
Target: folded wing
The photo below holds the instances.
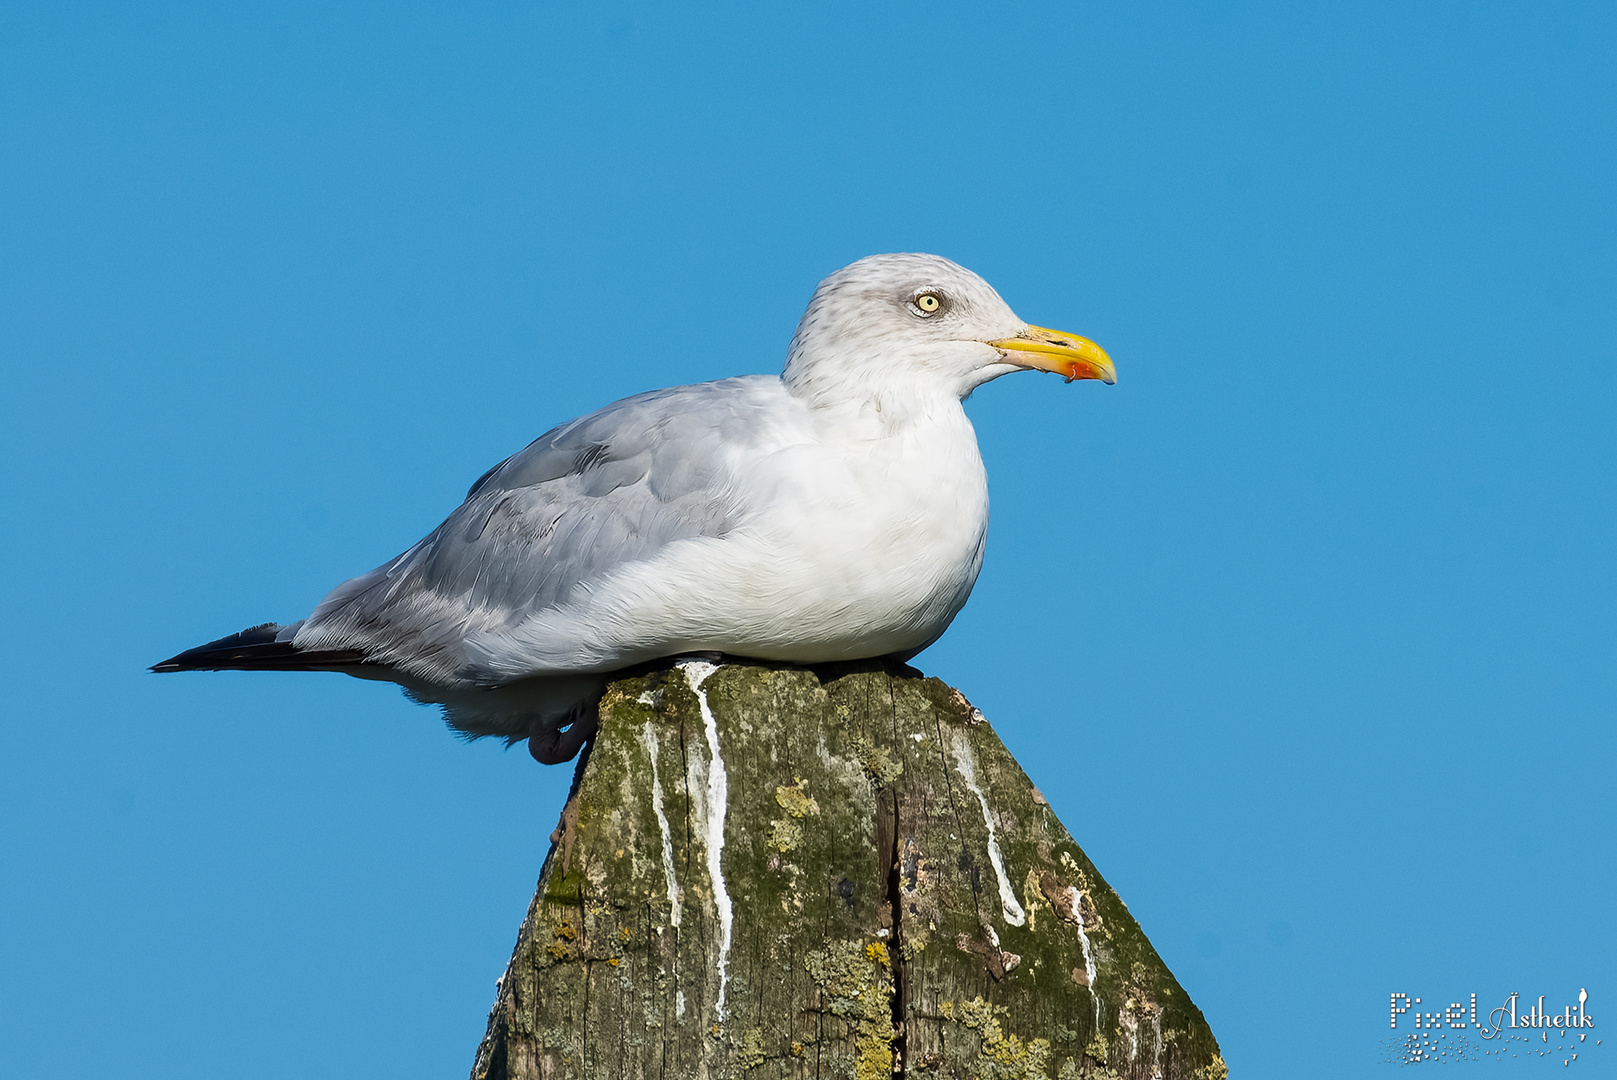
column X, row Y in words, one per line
column 614, row 487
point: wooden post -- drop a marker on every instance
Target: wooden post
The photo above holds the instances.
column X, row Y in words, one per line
column 769, row 871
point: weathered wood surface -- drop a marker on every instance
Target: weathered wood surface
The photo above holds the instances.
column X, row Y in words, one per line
column 767, row 871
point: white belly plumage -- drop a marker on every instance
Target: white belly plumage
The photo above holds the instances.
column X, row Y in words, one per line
column 846, row 558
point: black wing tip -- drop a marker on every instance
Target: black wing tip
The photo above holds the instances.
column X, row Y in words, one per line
column 198, row 659
column 255, row 649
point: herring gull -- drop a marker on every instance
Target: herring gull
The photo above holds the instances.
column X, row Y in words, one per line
column 834, row 512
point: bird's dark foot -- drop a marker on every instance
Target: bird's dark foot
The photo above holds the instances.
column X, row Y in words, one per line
column 555, row 742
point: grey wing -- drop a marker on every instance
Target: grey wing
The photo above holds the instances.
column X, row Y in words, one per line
column 610, row 488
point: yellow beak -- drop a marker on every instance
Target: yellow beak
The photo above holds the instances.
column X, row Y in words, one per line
column 1068, row 355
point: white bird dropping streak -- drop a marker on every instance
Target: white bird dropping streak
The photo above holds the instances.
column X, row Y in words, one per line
column 1156, row 1051
column 648, row 735
column 966, row 765
column 718, row 798
column 1089, row 953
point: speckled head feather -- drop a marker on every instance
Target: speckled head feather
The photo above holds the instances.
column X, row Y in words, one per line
column 864, row 331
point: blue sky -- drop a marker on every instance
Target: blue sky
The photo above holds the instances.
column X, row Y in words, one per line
column 1306, row 627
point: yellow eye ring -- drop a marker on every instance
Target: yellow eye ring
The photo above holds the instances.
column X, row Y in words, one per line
column 928, row 303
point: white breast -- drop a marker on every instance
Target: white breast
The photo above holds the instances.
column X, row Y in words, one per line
column 867, row 539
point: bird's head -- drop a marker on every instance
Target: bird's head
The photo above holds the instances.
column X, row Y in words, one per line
column 888, row 324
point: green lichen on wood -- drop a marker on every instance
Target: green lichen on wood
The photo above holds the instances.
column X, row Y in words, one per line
column 879, row 765
column 872, row 927
column 855, row 984
column 795, row 799
column 1000, row 1055
column 785, row 834
column 749, row 1049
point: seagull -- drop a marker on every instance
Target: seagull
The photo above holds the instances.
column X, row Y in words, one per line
column 837, row 511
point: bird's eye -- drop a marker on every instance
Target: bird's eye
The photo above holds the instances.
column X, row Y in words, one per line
column 928, row 303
